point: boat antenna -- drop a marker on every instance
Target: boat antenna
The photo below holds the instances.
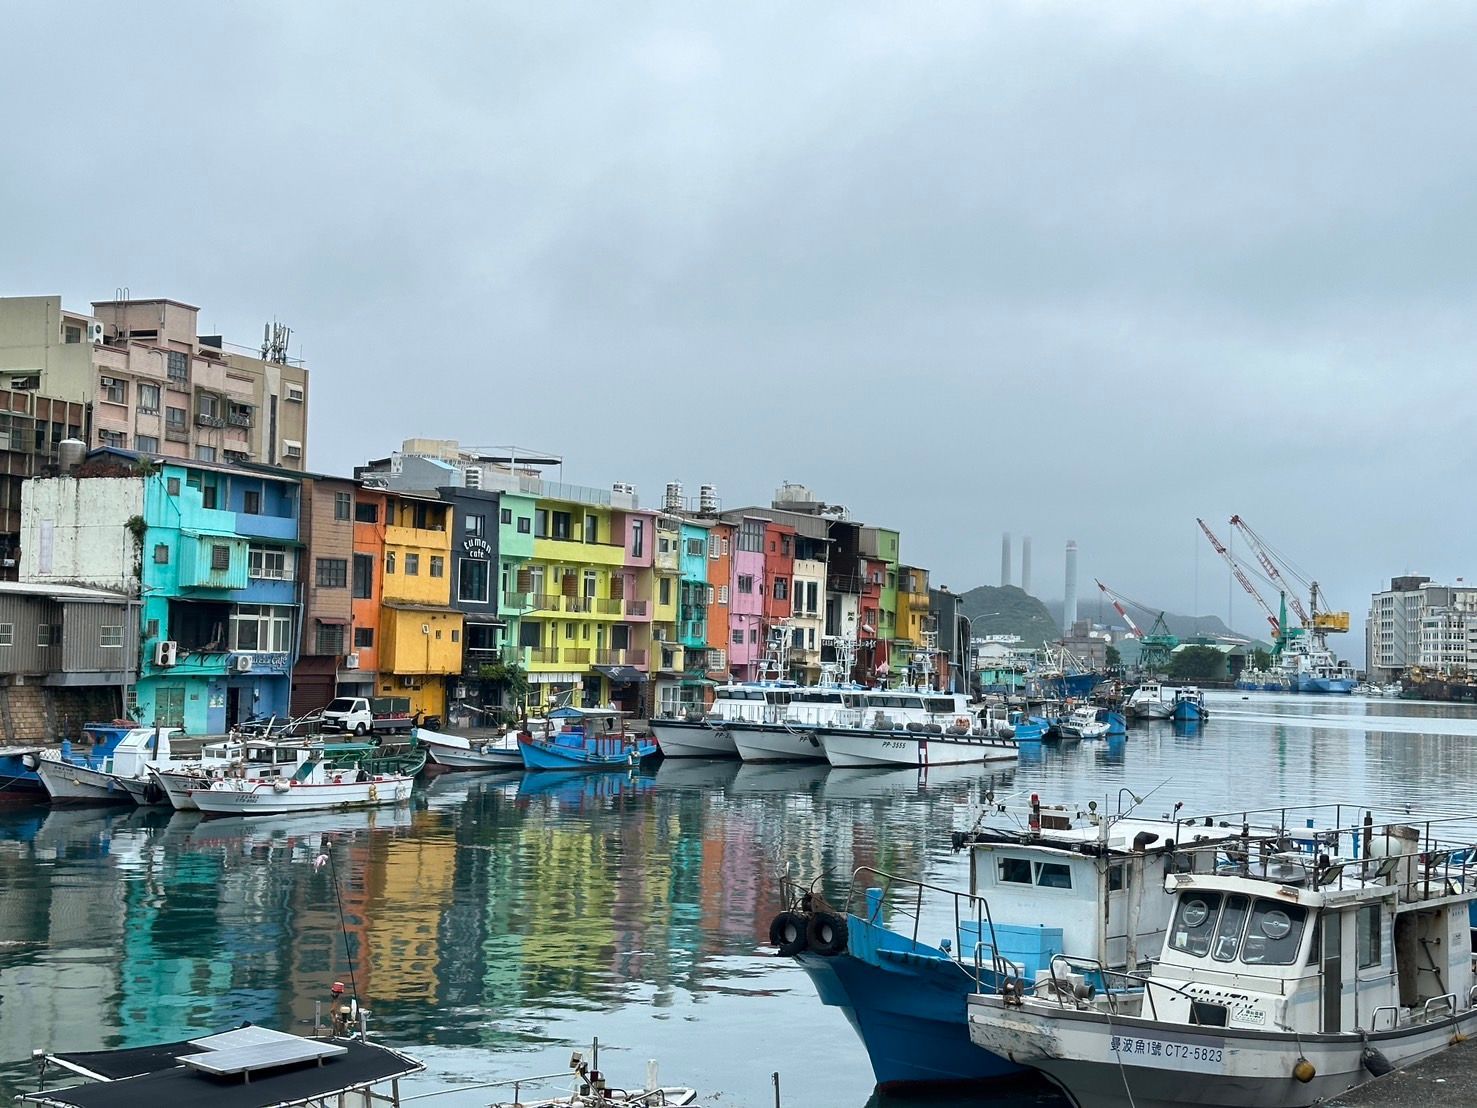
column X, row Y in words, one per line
column 326, row 858
column 1137, row 800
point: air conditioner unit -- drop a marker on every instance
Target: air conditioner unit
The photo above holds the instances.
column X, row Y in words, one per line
column 351, row 661
column 166, row 653
column 241, row 663
column 95, row 332
column 410, row 682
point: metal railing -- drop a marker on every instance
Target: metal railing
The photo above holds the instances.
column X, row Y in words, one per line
column 543, row 655
column 607, row 606
column 635, row 607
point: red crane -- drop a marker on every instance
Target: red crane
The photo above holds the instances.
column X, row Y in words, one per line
column 1112, row 596
column 1259, row 546
column 1241, row 577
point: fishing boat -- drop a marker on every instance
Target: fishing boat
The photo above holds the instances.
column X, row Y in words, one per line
column 1115, row 720
column 256, row 759
column 589, row 1088
column 455, row 752
column 1189, row 705
column 248, row 1065
column 795, row 737
column 915, row 745
column 335, row 775
column 1150, row 700
column 18, row 777
column 1026, row 728
column 1058, row 674
column 699, row 734
column 1287, row 977
column 587, row 739
column 1309, row 666
column 1082, row 723
column 1056, row 881
column 118, row 756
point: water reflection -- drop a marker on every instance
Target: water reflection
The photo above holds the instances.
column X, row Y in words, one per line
column 503, row 918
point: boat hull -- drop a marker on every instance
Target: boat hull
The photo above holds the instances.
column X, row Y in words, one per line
column 1115, row 1064
column 70, row 784
column 467, row 758
column 177, row 786
column 537, row 754
column 265, row 800
column 18, row 781
column 680, row 738
column 1328, row 685
column 761, row 743
column 848, row 748
column 1187, row 713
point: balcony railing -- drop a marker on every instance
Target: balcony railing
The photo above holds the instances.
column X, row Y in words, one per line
column 543, row 656
column 176, row 434
column 635, row 607
column 239, row 419
column 516, row 599
column 547, row 602
column 607, row 607
column 575, row 655
column 577, row 603
column 204, row 420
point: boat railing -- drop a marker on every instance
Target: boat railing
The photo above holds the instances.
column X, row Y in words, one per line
column 1065, row 993
column 907, row 895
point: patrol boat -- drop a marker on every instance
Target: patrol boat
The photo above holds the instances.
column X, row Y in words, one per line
column 1292, row 972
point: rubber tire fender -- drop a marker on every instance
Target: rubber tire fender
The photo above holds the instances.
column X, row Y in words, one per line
column 787, row 933
column 826, row 933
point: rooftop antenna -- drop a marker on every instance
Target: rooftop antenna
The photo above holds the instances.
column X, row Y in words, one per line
column 275, row 339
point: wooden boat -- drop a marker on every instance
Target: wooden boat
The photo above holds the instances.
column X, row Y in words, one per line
column 339, row 775
column 587, row 739
column 455, row 752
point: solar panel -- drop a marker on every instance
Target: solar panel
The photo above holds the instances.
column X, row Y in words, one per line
column 244, row 1036
column 261, row 1056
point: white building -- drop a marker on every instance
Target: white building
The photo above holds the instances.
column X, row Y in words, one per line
column 1417, row 623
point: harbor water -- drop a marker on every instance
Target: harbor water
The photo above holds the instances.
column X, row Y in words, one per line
column 502, row 920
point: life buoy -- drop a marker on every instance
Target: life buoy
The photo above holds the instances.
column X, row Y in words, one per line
column 826, row 933
column 338, row 778
column 962, row 722
column 787, row 933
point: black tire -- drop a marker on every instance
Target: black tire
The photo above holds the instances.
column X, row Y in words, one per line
column 826, row 933
column 361, row 730
column 787, row 933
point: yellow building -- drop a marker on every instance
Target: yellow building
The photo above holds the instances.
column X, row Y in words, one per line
column 912, row 606
column 420, row 633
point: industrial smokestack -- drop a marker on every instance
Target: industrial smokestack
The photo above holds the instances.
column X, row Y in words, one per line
column 1069, row 602
column 1005, row 559
column 1026, row 564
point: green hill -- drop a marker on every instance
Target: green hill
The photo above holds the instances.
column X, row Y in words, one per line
column 1006, row 610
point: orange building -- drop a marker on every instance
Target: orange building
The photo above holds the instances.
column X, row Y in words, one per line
column 720, row 568
column 366, row 581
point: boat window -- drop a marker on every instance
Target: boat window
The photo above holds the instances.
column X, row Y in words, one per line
column 1117, row 877
column 912, row 702
column 1194, row 920
column 1228, row 934
column 940, row 705
column 1315, row 948
column 1274, row 935
column 1367, row 936
column 1054, row 875
column 1015, row 870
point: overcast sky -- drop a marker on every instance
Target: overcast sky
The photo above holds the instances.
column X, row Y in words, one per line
column 1079, row 271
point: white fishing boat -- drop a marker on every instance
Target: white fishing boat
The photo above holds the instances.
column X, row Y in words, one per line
column 252, row 760
column 916, row 745
column 1289, row 975
column 1083, row 723
column 342, row 775
column 119, row 777
column 1150, row 700
column 456, row 752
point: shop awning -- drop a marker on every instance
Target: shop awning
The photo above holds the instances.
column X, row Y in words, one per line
column 332, row 621
column 487, row 618
column 622, row 675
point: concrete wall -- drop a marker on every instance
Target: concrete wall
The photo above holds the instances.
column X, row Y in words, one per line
column 75, row 532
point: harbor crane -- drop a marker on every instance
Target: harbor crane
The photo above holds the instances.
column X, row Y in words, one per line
column 1155, row 645
column 1240, row 575
column 1320, row 619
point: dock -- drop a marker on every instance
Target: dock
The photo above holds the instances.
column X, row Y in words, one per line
column 1444, row 1081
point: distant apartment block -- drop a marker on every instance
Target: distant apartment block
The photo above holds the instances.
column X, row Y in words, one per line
column 1418, row 623
column 151, row 382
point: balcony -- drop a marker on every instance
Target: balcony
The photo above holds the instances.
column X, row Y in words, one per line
column 577, row 603
column 203, row 420
column 517, row 600
column 627, row 657
column 543, row 656
column 176, row 434
column 546, row 602
column 667, row 561
column 575, row 655
column 607, row 607
column 239, row 418
column 636, row 608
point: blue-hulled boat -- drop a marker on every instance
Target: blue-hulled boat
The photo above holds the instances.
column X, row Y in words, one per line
column 1115, row 719
column 78, row 768
column 1028, row 728
column 586, row 739
column 1083, row 874
column 18, row 777
column 1189, row 705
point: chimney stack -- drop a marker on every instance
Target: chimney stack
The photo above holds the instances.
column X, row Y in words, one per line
column 1069, row 602
column 1026, row 564
column 1005, row 559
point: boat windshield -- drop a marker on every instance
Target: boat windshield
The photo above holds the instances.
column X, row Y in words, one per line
column 1257, row 932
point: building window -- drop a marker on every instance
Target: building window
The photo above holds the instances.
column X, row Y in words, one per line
column 161, row 554
column 148, row 398
column 412, row 565
column 722, row 594
column 108, row 635
column 332, row 573
column 291, row 449
column 294, row 394
column 208, row 495
column 751, row 535
column 710, row 595
column 781, row 588
column 330, row 639
column 505, row 515
column 638, row 537
column 343, row 504
column 71, row 334
column 456, row 636
column 113, row 390
column 438, row 566
column 389, row 561
column 695, row 548
column 664, row 591
column 44, row 635
column 174, row 419
column 363, row 576
column 541, row 518
column 220, row 558
column 472, row 578
column 113, row 438
column 366, row 513
column 172, row 484
column 524, row 525
column 563, row 524
column 179, row 367
column 591, row 582
column 252, row 502
column 261, row 627
column 745, row 584
column 738, row 638
column 712, row 546
column 146, row 444
column 474, row 525
column 266, row 564
column 205, row 453
column 363, row 637
column 592, row 529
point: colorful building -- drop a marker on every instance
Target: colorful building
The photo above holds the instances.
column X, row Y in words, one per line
column 420, row 632
column 720, row 585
